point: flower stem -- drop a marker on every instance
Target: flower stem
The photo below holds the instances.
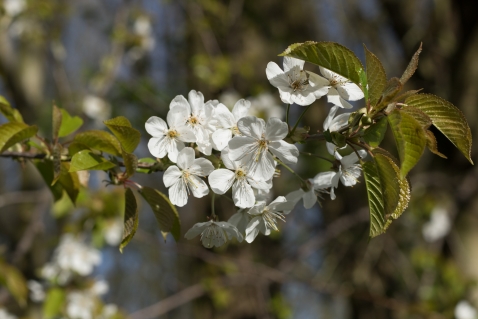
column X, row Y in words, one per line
column 287, row 115
column 213, row 197
column 318, row 156
column 290, row 170
column 298, row 121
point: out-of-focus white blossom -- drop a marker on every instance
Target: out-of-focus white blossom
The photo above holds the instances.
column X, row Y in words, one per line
column 37, row 293
column 265, row 106
column 108, row 311
column 214, row 234
column 4, row 314
column 96, row 108
column 81, row 304
column 113, row 231
column 463, row 310
column 14, row 7
column 438, row 226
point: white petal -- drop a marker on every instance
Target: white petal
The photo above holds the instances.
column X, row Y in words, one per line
column 171, row 176
column 180, row 100
column 327, row 73
column 240, row 220
column 287, row 153
column 264, row 168
column 186, row 134
column 242, row 194
column 318, row 85
column 197, row 229
column 253, row 229
column 276, row 129
column 323, row 180
column 173, row 148
column 221, row 180
column 201, row 167
column 286, row 95
column 224, row 117
column 226, row 160
column 303, row 98
column 339, row 122
column 186, row 158
column 240, row 109
column 178, row 194
column 330, row 117
column 196, row 100
column 258, row 184
column 220, row 138
column 334, row 97
column 178, row 116
column 231, row 231
column 156, row 126
column 350, row 91
column 352, row 158
column 198, row 187
column 350, row 175
column 291, row 200
column 202, row 134
column 276, row 76
column 309, row 199
column 158, row 146
column 251, row 126
column 332, row 148
column 277, row 202
column 240, row 146
column 290, row 62
column 205, row 148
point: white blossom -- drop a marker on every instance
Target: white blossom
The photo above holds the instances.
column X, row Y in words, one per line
column 4, row 314
column 258, row 141
column 81, row 304
column 37, row 293
column 334, row 124
column 265, row 105
column 341, row 89
column 348, row 173
column 296, row 85
column 227, row 122
column 309, row 197
column 264, row 218
column 96, row 108
column 214, row 234
column 240, row 219
column 463, row 310
column 238, row 176
column 438, row 226
column 113, row 231
column 169, row 141
column 14, row 7
column 197, row 115
column 183, row 178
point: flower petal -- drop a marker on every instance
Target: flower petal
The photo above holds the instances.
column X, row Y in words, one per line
column 156, row 126
column 240, row 220
column 252, row 229
column 330, row 117
column 158, row 146
column 323, row 180
column 201, row 167
column 241, row 146
column 196, row 100
column 173, row 148
column 197, row 186
column 276, row 129
column 276, row 76
column 334, row 98
column 263, row 168
column 171, row 176
column 220, row 138
column 287, row 153
column 350, row 91
column 178, row 116
column 309, row 199
column 186, row 134
column 224, row 117
column 277, row 202
column 352, row 158
column 178, row 194
column 242, row 194
column 303, row 98
column 186, row 158
column 197, row 229
column 289, row 63
column 180, row 100
column 240, row 109
column 251, row 126
column 226, row 160
column 221, row 180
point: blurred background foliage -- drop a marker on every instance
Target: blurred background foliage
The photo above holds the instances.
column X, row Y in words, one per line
column 100, row 59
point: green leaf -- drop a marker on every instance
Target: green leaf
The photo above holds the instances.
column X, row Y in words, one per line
column 374, row 135
column 447, row 118
column 130, row 163
column 56, row 155
column 69, row 124
column 412, row 66
column 146, row 160
column 15, row 132
column 418, row 115
column 329, row 55
column 45, row 168
column 57, row 117
column 14, row 281
column 101, row 141
column 87, row 160
column 131, row 218
column 364, row 84
column 393, row 87
column 432, row 144
column 409, row 137
column 54, row 302
column 375, row 198
column 124, row 132
column 9, row 112
column 69, row 181
column 75, row 147
column 165, row 212
column 376, row 76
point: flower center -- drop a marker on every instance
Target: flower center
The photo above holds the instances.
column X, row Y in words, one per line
column 240, row 174
column 213, row 233
column 270, row 218
column 193, row 120
column 262, row 147
column 172, row 134
column 235, row 131
column 298, row 81
column 335, row 81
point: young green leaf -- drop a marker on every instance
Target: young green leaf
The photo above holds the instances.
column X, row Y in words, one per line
column 100, row 140
column 329, row 55
column 409, row 137
column 376, row 76
column 57, row 117
column 14, row 281
column 131, row 163
column 131, row 218
column 432, row 144
column 69, row 124
column 391, row 90
column 15, row 132
column 56, row 159
column 87, row 160
column 69, row 181
column 412, row 66
column 9, row 112
column 447, row 118
column 375, row 133
column 54, row 301
column 424, row 120
column 124, row 132
column 45, row 168
column 375, row 198
column 165, row 212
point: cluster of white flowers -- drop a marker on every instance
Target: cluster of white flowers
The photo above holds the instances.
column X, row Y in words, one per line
column 6, row 315
column 249, row 149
